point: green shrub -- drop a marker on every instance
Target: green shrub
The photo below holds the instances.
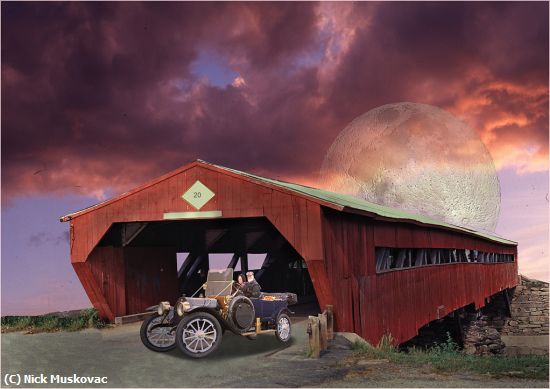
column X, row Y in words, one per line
column 92, row 318
column 87, row 318
column 46, row 323
column 446, row 356
column 15, row 323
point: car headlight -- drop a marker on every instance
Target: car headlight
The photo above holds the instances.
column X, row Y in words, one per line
column 164, row 307
column 182, row 307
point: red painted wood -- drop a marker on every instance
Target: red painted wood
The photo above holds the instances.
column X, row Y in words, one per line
column 338, row 247
column 400, row 302
column 321, row 283
column 92, row 289
column 151, row 276
column 107, row 266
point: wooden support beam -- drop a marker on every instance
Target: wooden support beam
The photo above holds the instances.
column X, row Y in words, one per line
column 205, row 266
column 244, row 262
column 323, row 340
column 234, row 260
column 250, row 238
column 185, row 265
column 186, row 276
column 313, row 331
column 212, row 237
column 195, row 266
column 129, row 232
column 330, row 322
column 265, row 266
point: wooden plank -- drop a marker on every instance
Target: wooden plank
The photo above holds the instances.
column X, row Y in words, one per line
column 330, row 322
column 321, row 284
column 355, row 306
column 314, row 340
column 93, row 290
column 323, row 336
column 314, row 231
column 151, row 276
column 107, row 266
column 384, row 234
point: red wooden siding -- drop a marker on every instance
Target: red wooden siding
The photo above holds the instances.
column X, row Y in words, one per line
column 348, row 257
column 235, row 197
column 338, row 247
column 121, row 281
column 92, row 287
column 107, row 265
column 151, row 276
column 401, row 301
column 298, row 220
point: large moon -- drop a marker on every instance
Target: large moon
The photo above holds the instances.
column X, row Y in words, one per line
column 418, row 158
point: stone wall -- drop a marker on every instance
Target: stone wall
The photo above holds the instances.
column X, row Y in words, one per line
column 492, row 331
column 529, row 309
column 481, row 329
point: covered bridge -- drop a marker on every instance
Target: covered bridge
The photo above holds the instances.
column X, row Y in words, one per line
column 383, row 270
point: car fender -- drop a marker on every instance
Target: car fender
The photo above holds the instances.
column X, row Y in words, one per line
column 285, row 310
column 213, row 312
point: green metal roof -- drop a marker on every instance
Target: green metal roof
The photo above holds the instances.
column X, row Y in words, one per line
column 347, row 201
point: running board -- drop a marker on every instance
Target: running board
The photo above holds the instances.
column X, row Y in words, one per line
column 256, row 333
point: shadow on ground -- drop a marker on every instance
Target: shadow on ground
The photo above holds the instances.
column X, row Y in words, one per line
column 235, row 346
column 119, row 355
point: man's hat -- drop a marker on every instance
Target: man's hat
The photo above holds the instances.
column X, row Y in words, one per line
column 249, row 273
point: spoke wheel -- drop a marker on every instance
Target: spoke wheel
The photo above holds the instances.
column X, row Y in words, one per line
column 157, row 338
column 283, row 330
column 198, row 334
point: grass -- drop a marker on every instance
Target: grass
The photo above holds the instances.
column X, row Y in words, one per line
column 86, row 318
column 447, row 357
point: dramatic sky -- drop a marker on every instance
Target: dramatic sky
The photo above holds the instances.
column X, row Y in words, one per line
column 100, row 97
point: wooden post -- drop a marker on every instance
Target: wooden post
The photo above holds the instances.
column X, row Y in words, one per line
column 314, row 346
column 330, row 322
column 323, row 330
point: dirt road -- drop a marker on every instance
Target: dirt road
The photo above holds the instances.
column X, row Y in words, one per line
column 119, row 355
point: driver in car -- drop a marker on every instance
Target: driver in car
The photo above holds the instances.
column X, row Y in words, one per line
column 251, row 288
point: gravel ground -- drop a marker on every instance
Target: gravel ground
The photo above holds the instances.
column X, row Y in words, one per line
column 118, row 354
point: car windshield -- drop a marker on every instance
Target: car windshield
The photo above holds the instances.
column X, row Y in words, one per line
column 219, row 282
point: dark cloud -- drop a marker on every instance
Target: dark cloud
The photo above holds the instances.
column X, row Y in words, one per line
column 42, row 238
column 102, row 95
column 486, row 63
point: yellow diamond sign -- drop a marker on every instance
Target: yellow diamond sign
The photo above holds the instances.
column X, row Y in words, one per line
column 198, row 195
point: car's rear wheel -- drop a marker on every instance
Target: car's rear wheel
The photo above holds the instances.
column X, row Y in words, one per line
column 157, row 337
column 282, row 330
column 198, row 334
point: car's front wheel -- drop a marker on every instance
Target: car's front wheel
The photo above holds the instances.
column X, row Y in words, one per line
column 157, row 336
column 198, row 334
column 282, row 330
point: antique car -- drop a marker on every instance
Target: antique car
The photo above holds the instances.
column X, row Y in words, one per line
column 196, row 324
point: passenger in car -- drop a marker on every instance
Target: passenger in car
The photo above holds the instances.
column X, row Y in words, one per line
column 241, row 281
column 251, row 288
